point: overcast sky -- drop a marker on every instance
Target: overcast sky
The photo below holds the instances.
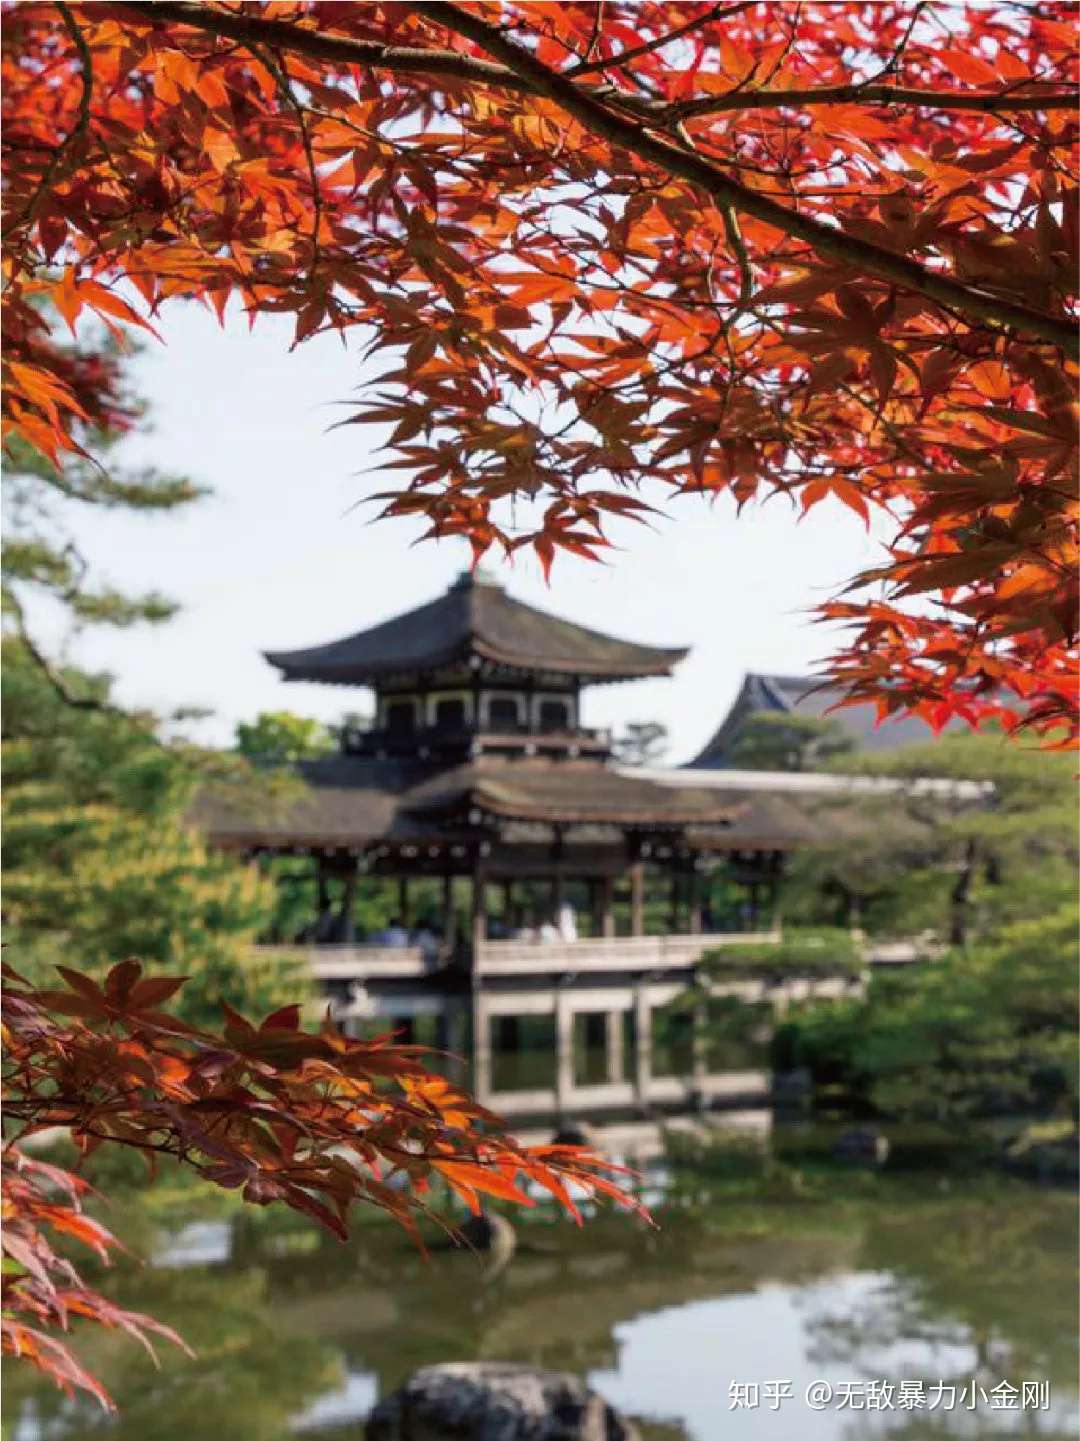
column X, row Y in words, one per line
column 281, row 555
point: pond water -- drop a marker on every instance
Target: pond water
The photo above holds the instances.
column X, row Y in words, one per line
column 903, row 1303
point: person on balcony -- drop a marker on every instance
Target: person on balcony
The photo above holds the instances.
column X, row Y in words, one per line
column 548, row 934
column 427, row 939
column 395, row 934
column 566, row 922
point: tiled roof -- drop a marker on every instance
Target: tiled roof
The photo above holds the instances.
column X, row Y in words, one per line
column 351, row 802
column 475, row 617
column 805, row 696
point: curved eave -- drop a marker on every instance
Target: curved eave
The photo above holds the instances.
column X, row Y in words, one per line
column 297, row 666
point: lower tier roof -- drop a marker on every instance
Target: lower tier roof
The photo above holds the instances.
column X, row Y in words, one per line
column 352, row 802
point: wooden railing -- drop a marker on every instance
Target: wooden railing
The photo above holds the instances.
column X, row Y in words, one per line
column 607, row 954
column 356, row 963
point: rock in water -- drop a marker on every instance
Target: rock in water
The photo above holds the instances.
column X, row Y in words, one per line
column 495, row 1401
column 489, row 1232
column 862, row 1146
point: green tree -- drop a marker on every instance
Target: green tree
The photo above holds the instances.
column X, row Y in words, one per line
column 281, row 737
column 40, row 558
column 642, row 743
column 990, row 1030
column 958, row 865
column 789, row 742
column 99, row 861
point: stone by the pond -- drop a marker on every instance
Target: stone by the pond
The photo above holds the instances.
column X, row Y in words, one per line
column 495, row 1401
column 863, row 1146
column 575, row 1133
column 488, row 1233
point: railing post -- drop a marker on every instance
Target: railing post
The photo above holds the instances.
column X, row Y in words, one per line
column 642, row 1044
column 613, row 1046
column 564, row 1052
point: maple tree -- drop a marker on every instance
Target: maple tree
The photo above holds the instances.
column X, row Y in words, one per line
column 312, row 1120
column 828, row 250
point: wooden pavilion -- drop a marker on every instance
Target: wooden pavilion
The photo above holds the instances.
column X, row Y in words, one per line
column 477, row 769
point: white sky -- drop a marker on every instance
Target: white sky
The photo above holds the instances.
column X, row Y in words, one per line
column 276, row 559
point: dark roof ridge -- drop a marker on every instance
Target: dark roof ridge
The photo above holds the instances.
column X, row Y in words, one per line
column 476, row 615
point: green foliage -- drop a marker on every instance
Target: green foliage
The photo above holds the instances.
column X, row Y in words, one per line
column 642, row 743
column 787, row 741
column 803, row 951
column 987, row 1031
column 909, row 862
column 40, row 557
column 281, row 737
column 99, row 863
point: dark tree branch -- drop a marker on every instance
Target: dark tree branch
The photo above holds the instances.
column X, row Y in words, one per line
column 48, row 670
column 848, row 249
column 718, row 12
column 874, row 94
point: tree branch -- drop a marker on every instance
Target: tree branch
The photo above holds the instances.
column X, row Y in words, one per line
column 872, row 94
column 826, row 240
column 520, row 71
column 56, row 164
column 718, row 12
column 48, row 670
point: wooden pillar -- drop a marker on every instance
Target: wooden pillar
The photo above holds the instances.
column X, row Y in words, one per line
column 693, row 883
column 675, row 901
column 699, row 1041
column 637, row 898
column 607, row 906
column 558, row 894
column 403, row 900
column 481, row 1048
column 642, row 1045
column 508, row 905
column 564, row 1052
column 346, row 931
column 448, row 913
column 322, row 889
column 558, row 880
column 479, row 915
column 613, row 1046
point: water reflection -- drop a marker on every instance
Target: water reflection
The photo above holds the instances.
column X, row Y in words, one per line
column 298, row 1333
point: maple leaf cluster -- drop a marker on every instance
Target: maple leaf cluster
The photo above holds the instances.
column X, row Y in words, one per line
column 312, row 1120
column 825, row 250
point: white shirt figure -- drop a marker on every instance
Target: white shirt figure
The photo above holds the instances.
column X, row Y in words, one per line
column 567, row 922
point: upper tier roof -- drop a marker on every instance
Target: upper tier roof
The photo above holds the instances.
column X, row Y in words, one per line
column 475, row 617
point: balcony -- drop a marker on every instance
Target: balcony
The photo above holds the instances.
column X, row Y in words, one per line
column 462, row 742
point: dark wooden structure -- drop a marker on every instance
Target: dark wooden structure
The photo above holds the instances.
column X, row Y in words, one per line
column 477, row 768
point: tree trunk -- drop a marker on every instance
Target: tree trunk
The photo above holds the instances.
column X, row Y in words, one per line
column 960, row 901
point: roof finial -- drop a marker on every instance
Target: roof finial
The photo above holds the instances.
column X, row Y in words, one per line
column 480, row 576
